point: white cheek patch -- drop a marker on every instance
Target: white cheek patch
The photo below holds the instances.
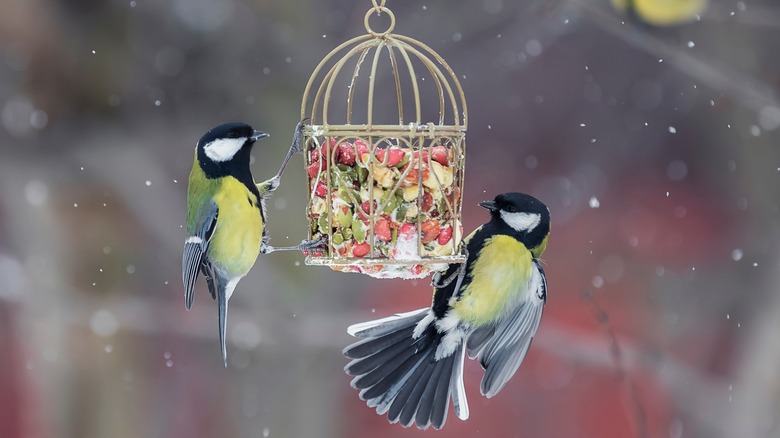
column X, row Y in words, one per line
column 522, row 222
column 223, row 149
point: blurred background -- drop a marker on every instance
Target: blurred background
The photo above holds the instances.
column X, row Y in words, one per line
column 654, row 141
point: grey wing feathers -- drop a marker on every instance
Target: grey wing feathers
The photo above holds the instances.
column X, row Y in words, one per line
column 542, row 291
column 505, row 350
column 194, row 249
column 478, row 339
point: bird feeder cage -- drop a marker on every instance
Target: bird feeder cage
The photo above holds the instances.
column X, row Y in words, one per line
column 385, row 148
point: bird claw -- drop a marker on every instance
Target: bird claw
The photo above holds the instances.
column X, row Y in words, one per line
column 296, row 145
column 437, row 281
column 273, row 183
column 312, row 244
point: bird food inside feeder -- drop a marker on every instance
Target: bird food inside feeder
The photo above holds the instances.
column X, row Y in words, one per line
column 385, row 205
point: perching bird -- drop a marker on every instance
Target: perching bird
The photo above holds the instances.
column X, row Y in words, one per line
column 662, row 12
column 410, row 364
column 226, row 215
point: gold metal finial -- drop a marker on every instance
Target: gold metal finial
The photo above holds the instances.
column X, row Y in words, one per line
column 379, row 9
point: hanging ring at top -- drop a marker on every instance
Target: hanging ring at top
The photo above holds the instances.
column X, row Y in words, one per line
column 379, row 9
column 381, row 4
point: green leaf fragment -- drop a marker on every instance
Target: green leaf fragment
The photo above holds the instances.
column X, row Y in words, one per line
column 323, row 223
column 400, row 214
column 344, row 218
column 362, row 174
column 391, row 205
column 357, row 230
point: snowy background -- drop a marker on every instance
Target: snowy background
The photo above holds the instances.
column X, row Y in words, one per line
column 656, row 149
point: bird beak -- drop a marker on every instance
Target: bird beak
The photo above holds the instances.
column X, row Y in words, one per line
column 257, row 135
column 490, row 205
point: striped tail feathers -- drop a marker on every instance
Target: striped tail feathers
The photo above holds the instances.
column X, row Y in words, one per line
column 397, row 370
column 459, row 401
column 221, row 289
column 222, row 302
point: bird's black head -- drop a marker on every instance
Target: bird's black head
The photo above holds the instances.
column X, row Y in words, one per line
column 225, row 149
column 526, row 216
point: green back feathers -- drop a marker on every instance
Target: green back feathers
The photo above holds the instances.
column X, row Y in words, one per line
column 199, row 193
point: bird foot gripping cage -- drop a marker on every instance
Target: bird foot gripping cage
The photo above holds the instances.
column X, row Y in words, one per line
column 386, row 197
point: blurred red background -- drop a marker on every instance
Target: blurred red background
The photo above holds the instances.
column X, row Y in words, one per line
column 654, row 147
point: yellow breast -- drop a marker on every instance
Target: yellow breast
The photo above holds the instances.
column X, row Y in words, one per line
column 499, row 280
column 239, row 232
column 664, row 12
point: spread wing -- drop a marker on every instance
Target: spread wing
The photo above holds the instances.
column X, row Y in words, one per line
column 501, row 348
column 194, row 248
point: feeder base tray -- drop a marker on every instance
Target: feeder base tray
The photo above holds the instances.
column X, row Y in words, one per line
column 385, row 268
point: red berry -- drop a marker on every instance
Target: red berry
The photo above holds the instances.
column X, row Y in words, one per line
column 321, row 190
column 329, row 145
column 365, row 209
column 382, row 230
column 363, row 154
column 394, row 156
column 324, row 151
column 361, row 147
column 407, row 230
column 439, row 154
column 430, row 230
column 445, row 235
column 346, row 154
column 380, row 154
column 360, row 249
column 313, row 169
column 424, row 155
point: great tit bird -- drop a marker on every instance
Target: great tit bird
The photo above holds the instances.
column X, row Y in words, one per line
column 662, row 12
column 410, row 364
column 226, row 214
